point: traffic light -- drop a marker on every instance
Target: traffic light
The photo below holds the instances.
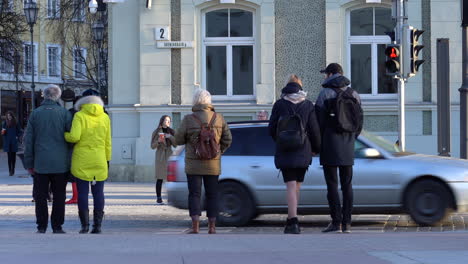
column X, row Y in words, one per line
column 411, row 49
column 392, row 65
column 415, row 48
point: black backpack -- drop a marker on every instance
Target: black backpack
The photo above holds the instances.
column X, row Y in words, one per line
column 345, row 112
column 290, row 132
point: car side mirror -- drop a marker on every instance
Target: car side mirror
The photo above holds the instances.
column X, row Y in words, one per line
column 369, row 153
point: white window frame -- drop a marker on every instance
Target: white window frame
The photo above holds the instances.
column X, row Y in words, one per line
column 36, row 62
column 84, row 72
column 51, row 13
column 229, row 42
column 369, row 40
column 58, row 60
column 80, row 17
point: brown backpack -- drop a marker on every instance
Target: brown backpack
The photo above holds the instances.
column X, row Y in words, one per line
column 206, row 147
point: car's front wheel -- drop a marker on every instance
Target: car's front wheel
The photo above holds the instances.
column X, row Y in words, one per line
column 236, row 205
column 427, row 202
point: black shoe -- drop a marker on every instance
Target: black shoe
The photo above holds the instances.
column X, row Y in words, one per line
column 346, row 228
column 159, row 201
column 40, row 231
column 292, row 226
column 98, row 215
column 58, row 231
column 332, row 228
column 84, row 220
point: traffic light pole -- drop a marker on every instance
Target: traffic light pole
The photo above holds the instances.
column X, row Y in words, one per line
column 400, row 22
column 464, row 94
column 401, row 114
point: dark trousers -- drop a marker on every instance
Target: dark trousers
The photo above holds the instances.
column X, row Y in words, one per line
column 83, row 192
column 11, row 161
column 211, row 194
column 338, row 214
column 159, row 183
column 58, row 183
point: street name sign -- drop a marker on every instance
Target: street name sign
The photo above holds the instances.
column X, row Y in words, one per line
column 174, row 44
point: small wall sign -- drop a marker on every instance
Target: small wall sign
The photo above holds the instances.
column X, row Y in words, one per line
column 174, row 44
column 162, row 33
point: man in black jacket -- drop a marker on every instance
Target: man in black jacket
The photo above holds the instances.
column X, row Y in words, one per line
column 337, row 150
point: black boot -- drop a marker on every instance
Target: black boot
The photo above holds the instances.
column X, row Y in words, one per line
column 84, row 219
column 292, row 226
column 98, row 215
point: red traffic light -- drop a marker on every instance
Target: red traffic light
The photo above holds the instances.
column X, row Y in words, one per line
column 392, row 52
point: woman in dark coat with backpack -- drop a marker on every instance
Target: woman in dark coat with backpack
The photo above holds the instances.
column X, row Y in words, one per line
column 285, row 127
column 11, row 132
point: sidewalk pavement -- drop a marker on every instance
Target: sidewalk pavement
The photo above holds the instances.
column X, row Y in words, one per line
column 136, row 230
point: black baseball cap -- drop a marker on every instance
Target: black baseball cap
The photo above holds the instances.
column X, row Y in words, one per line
column 333, row 68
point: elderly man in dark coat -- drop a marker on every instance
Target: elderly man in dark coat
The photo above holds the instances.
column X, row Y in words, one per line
column 337, row 151
column 47, row 157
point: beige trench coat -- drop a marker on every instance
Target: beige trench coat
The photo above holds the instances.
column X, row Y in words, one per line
column 163, row 152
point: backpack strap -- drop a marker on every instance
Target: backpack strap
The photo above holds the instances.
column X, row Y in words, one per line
column 213, row 118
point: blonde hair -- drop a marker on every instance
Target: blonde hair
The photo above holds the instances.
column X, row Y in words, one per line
column 293, row 78
column 201, row 96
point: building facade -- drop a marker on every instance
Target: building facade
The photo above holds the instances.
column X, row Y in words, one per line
column 243, row 50
column 63, row 55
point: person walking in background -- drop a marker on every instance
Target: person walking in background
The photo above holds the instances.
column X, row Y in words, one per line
column 11, row 132
column 340, row 116
column 206, row 136
column 262, row 115
column 91, row 134
column 294, row 127
column 47, row 157
column 162, row 140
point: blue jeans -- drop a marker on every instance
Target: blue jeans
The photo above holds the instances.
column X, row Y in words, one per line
column 83, row 192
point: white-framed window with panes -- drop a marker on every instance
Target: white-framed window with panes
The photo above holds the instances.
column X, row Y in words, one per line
column 54, row 61
column 228, row 53
column 79, row 63
column 78, row 10
column 27, row 58
column 53, row 9
column 367, row 37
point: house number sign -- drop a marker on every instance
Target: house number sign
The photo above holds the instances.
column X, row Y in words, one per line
column 162, row 33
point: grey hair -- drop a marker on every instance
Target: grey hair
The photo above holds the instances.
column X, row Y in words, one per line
column 52, row 92
column 201, row 96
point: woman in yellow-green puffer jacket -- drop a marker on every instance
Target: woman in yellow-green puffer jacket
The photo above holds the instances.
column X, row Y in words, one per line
column 91, row 133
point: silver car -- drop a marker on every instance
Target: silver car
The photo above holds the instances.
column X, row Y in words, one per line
column 385, row 180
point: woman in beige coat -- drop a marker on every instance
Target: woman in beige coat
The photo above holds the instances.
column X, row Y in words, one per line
column 162, row 140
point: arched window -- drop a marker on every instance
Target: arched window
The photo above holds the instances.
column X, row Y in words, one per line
column 228, row 53
column 367, row 38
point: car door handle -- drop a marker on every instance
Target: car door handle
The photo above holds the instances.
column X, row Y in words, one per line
column 254, row 166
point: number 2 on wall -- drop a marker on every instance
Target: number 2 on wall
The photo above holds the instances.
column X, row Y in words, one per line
column 161, row 33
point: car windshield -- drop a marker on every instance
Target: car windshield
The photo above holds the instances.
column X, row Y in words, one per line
column 382, row 143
